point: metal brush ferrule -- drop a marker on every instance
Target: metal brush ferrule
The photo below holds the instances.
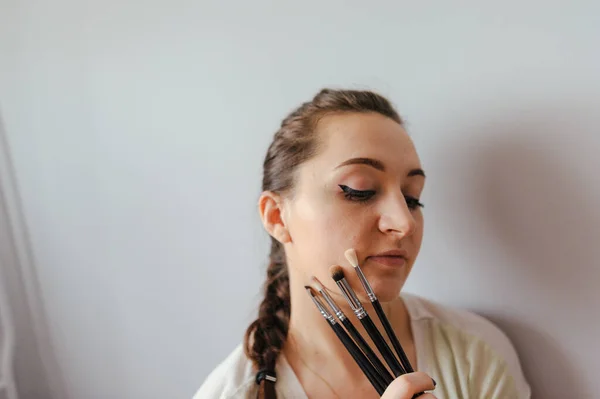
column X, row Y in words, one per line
column 340, row 316
column 322, row 309
column 365, row 284
column 349, row 294
column 360, row 313
column 338, row 312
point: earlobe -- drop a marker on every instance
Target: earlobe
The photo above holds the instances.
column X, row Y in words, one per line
column 281, row 234
column 270, row 207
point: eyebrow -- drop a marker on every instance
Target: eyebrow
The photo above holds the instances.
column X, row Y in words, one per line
column 377, row 165
column 363, row 161
column 416, row 172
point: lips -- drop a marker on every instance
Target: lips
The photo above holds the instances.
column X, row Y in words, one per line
column 392, row 258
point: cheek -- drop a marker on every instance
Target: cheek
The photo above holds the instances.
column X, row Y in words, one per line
column 340, row 230
column 417, row 236
column 419, row 225
column 327, row 230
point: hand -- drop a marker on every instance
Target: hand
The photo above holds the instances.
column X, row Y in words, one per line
column 407, row 385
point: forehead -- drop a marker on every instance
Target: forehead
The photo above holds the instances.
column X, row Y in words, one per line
column 370, row 135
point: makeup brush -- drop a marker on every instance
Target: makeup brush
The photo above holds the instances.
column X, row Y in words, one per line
column 354, row 351
column 337, row 273
column 353, row 259
column 384, row 375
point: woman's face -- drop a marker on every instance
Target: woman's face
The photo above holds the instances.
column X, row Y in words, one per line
column 361, row 191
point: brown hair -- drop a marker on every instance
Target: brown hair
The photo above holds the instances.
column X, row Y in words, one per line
column 294, row 143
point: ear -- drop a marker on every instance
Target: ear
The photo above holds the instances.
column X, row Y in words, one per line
column 270, row 207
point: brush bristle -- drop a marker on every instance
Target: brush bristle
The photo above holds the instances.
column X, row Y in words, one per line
column 316, row 283
column 337, row 273
column 309, row 290
column 351, row 256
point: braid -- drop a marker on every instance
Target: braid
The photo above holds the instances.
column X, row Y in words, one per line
column 293, row 144
column 266, row 335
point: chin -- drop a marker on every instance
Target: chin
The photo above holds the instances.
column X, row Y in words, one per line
column 388, row 295
column 387, row 289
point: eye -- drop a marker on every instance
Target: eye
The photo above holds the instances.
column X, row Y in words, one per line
column 413, row 203
column 357, row 195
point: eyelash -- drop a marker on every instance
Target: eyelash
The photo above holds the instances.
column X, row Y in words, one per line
column 357, row 195
column 365, row 195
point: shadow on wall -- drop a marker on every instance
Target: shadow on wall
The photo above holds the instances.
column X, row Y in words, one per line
column 533, row 187
column 36, row 371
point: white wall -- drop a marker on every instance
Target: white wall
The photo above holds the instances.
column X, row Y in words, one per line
column 27, row 360
column 137, row 131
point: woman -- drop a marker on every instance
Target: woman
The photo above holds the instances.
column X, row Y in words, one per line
column 343, row 173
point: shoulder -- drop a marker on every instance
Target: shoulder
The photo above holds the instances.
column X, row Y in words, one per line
column 480, row 341
column 232, row 378
column 465, row 321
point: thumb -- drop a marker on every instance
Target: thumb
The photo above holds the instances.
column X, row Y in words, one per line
column 407, row 385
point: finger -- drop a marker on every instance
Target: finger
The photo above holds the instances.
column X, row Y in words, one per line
column 407, row 385
column 427, row 396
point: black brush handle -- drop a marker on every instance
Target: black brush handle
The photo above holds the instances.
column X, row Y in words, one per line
column 382, row 346
column 392, row 336
column 384, row 374
column 359, row 358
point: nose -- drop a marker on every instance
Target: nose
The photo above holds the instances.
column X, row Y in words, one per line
column 396, row 218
